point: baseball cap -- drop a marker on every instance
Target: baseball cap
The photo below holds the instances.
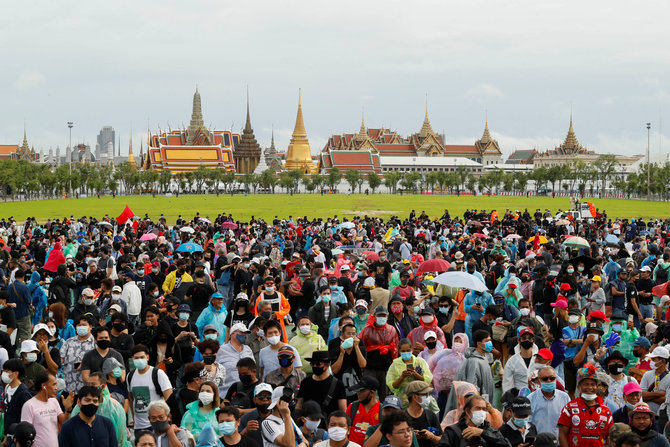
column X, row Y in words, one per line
column 381, row 310
column 427, row 311
column 598, row 314
column 117, row 289
column 209, row 327
column 619, row 429
column 23, row 432
column 392, row 402
column 429, row 334
column 276, row 396
column 521, row 406
column 631, row 387
column 545, row 354
column 362, row 303
column 596, row 278
column 116, row 307
column 664, row 300
column 526, row 330
column 562, row 303
column 242, row 297
column 285, row 350
column 87, row 292
column 345, row 267
column 312, row 410
column 642, row 342
column 658, row 351
column 366, row 383
column 239, row 327
column 369, row 282
column 262, row 387
column 646, row 268
column 184, row 308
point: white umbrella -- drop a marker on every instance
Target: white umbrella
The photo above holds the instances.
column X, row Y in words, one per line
column 462, row 280
column 347, row 225
column 187, row 230
column 105, row 224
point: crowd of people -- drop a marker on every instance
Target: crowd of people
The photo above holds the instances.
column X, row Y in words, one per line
column 335, row 332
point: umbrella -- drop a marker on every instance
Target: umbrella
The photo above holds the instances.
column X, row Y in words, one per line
column 612, row 241
column 576, row 242
column 462, row 280
column 543, row 240
column 371, row 255
column 346, row 225
column 434, row 265
column 148, row 237
column 336, row 251
column 204, row 219
column 587, row 260
column 229, row 225
column 480, row 235
column 189, row 247
column 562, row 222
column 105, row 224
column 644, row 232
column 187, row 230
column 512, row 236
column 474, row 223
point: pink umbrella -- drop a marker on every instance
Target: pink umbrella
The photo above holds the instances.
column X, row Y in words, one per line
column 229, row 225
column 434, row 265
column 371, row 255
column 148, row 237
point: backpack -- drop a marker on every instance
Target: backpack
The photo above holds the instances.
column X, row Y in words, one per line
column 154, row 379
column 662, row 274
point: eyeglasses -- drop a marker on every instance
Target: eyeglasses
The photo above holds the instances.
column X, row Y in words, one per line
column 548, row 379
column 263, row 397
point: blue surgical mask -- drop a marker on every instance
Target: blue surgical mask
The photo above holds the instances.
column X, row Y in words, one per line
column 241, row 337
column 381, row 321
column 521, row 422
column 117, row 372
column 488, row 346
column 325, row 298
column 548, row 387
column 348, row 343
column 406, row 356
column 629, row 405
column 211, row 337
column 444, row 310
column 227, row 428
column 618, row 327
column 82, row 330
column 184, row 316
column 140, row 363
column 416, row 309
column 140, row 272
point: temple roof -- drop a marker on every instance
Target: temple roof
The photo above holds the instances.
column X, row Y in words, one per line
column 426, row 128
column 299, row 129
column 197, row 125
column 248, row 145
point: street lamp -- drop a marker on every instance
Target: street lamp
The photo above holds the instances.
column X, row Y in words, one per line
column 69, row 125
column 648, row 164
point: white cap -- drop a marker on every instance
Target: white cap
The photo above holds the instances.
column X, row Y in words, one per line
column 276, row 396
column 646, row 268
column 345, row 267
column 369, row 282
column 31, row 345
column 429, row 334
column 664, row 299
column 116, row 307
column 117, row 289
column 650, row 328
column 362, row 303
column 659, row 351
column 40, row 326
column 261, row 387
column 87, row 292
column 239, row 327
column 242, row 296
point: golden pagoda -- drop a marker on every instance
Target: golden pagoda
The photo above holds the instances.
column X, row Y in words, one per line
column 299, row 155
column 131, row 156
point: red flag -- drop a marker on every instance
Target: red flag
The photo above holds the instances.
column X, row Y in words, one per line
column 135, row 225
column 592, row 209
column 536, row 242
column 125, row 215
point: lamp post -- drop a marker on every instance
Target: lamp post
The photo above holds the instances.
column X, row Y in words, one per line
column 69, row 125
column 648, row 164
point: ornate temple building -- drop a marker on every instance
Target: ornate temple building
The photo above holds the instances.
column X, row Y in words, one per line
column 270, row 159
column 247, row 154
column 299, row 155
column 571, row 151
column 16, row 152
column 187, row 149
column 367, row 150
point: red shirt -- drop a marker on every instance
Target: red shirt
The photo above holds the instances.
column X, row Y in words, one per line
column 588, row 426
column 361, row 421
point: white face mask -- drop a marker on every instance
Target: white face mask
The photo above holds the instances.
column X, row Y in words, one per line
column 589, row 397
column 273, row 340
column 311, row 425
column 337, row 433
column 5, row 377
column 31, row 357
column 573, row 319
column 524, row 312
column 478, row 417
column 427, row 319
column 305, row 329
column 425, row 401
column 205, row 397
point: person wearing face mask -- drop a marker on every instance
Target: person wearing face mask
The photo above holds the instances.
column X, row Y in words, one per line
column 656, row 381
column 310, row 421
column 307, row 340
column 279, row 306
column 202, row 411
column 241, row 312
column 400, row 319
column 113, row 374
column 641, row 423
column 92, row 361
column 361, row 317
column 427, row 323
column 381, row 342
column 214, row 315
column 240, row 393
column 405, row 369
column 73, row 350
column 113, row 298
column 592, row 426
column 322, row 386
column 628, row 333
column 269, row 356
column 49, row 355
column 475, row 368
column 121, row 341
column 86, row 305
column 339, row 431
column 230, row 354
column 573, row 335
column 521, row 363
column 166, row 432
column 405, row 289
column 547, row 402
column 519, row 427
column 424, row 421
column 157, row 276
column 474, row 305
column 175, row 278
column 229, row 421
column 78, row 431
column 350, row 357
column 632, row 394
column 472, row 427
column 364, row 411
column 616, row 365
column 250, row 423
column 323, row 312
column 198, row 293
column 16, row 393
column 146, row 384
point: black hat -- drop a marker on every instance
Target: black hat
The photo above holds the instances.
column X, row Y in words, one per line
column 617, row 355
column 521, row 406
column 545, row 440
column 366, row 383
column 319, row 357
column 594, row 327
column 508, row 397
column 23, row 432
column 427, row 311
column 312, row 410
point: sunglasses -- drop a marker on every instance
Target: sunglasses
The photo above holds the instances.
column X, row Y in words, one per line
column 548, row 379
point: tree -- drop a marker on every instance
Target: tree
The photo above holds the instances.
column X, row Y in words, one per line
column 164, row 179
column 317, row 181
column 462, row 175
column 391, row 179
column 268, row 179
column 286, row 181
column 296, row 175
column 333, row 179
column 247, row 180
column 409, row 180
column 605, row 166
column 508, row 182
column 374, row 181
column 431, row 180
column 352, row 176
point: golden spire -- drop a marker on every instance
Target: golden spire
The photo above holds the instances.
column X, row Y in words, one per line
column 426, row 128
column 299, row 155
column 363, row 133
column 486, row 138
column 571, row 139
column 131, row 156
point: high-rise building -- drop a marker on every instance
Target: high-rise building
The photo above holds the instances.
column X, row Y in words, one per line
column 103, row 151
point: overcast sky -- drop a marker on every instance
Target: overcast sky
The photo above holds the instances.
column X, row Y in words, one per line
column 525, row 63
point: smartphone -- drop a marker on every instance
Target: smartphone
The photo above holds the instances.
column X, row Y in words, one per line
column 76, row 365
column 530, row 440
column 410, row 367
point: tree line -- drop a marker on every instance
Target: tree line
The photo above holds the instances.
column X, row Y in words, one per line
column 20, row 178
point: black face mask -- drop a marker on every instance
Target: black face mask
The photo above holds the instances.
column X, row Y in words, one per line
column 246, row 379
column 160, row 426
column 431, row 344
column 262, row 408
column 88, row 410
column 208, row 359
column 103, row 344
column 266, row 315
column 526, row 344
column 367, row 399
column 119, row 326
column 615, row 368
column 637, row 354
column 641, row 433
column 318, row 370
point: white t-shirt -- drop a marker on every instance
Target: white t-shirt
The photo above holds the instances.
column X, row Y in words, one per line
column 144, row 392
column 269, row 361
column 273, row 426
column 650, row 382
column 44, row 417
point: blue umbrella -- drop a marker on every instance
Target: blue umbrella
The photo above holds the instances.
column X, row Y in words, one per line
column 189, row 247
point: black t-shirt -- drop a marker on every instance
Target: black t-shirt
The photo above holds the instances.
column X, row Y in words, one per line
column 308, row 289
column 645, row 285
column 382, row 269
column 479, row 324
column 245, row 441
column 8, row 317
column 240, row 396
column 631, row 294
column 311, row 389
column 93, row 361
column 349, row 372
column 232, row 318
column 426, row 420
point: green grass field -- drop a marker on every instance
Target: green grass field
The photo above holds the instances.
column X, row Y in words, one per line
column 312, row 205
